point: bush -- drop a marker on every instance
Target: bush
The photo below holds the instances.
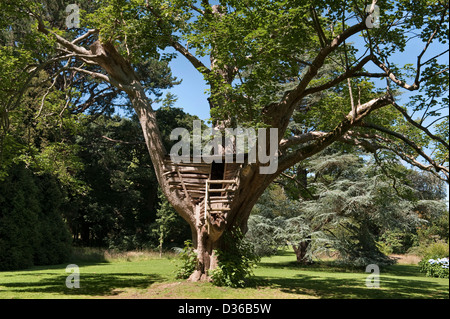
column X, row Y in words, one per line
column 435, row 267
column 396, row 242
column 55, row 243
column 434, row 250
column 235, row 261
column 189, row 261
column 32, row 231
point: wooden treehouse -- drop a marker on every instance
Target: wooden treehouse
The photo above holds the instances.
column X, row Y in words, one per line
column 210, row 187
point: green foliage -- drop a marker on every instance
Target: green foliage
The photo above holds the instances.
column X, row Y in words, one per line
column 32, row 231
column 350, row 206
column 169, row 225
column 435, row 267
column 236, row 261
column 188, row 259
column 119, row 203
column 261, row 233
column 19, row 211
column 357, row 205
column 121, row 208
column 396, row 242
column 436, row 249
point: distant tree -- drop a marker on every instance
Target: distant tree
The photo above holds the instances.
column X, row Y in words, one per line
column 32, row 231
column 19, row 212
column 119, row 207
column 352, row 204
column 169, row 225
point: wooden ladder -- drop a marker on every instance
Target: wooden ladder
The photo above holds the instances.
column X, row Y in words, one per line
column 219, row 202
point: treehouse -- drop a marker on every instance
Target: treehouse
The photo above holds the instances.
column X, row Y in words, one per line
column 209, row 187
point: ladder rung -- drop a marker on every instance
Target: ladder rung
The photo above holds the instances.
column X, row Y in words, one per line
column 218, row 197
column 219, row 190
column 223, row 181
column 218, row 201
column 219, row 209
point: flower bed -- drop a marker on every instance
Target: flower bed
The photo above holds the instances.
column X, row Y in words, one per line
column 435, row 267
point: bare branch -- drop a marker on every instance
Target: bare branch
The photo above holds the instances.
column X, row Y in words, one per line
column 347, row 74
column 190, row 57
column 327, row 139
column 177, row 46
column 406, row 140
column 419, row 126
column 85, row 36
column 392, row 76
column 370, row 143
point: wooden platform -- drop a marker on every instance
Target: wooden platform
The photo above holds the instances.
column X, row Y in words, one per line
column 209, row 186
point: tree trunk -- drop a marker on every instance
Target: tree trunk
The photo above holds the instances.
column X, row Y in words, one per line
column 206, row 258
column 300, row 251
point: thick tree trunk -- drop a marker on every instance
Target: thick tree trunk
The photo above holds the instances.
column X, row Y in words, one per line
column 206, row 258
column 250, row 189
column 300, row 251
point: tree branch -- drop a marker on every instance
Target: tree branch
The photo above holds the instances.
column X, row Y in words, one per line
column 320, row 143
column 419, row 126
column 286, row 106
column 299, row 139
column 122, row 142
column 85, row 36
column 392, row 76
column 406, row 140
column 65, row 43
column 177, row 46
column 347, row 74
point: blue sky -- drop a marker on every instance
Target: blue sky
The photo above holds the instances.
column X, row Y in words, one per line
column 191, row 92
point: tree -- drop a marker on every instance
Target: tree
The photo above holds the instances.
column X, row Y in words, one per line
column 32, row 231
column 356, row 204
column 119, row 206
column 255, row 49
column 352, row 206
column 169, row 225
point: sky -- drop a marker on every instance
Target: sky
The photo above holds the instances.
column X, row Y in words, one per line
column 191, row 94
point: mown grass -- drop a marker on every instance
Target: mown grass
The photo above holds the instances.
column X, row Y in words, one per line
column 145, row 275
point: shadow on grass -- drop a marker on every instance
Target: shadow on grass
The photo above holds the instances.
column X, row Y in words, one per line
column 91, row 284
column 390, row 288
column 396, row 282
column 320, row 266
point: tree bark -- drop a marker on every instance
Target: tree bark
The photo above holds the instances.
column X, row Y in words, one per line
column 206, row 257
column 300, row 251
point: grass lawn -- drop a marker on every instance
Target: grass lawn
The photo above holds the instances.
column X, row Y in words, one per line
column 148, row 276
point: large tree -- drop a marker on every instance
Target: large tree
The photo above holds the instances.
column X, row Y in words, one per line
column 288, row 65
